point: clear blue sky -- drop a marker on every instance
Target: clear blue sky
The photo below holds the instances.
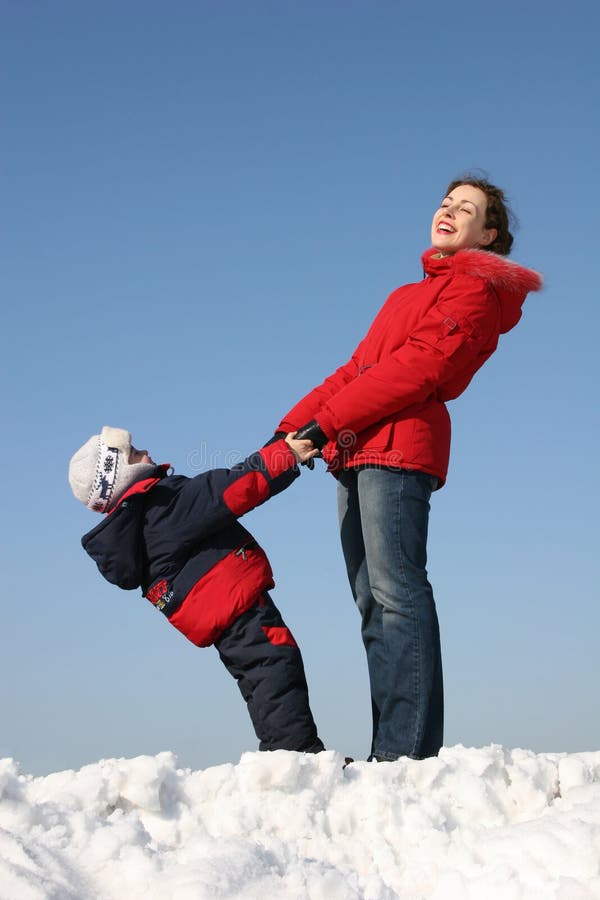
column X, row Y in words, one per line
column 203, row 204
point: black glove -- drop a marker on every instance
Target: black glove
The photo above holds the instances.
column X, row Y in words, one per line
column 312, row 431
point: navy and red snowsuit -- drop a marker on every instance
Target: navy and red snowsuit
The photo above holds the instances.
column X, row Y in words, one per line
column 179, row 539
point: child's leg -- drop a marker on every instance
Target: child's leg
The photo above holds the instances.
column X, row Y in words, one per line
column 263, row 657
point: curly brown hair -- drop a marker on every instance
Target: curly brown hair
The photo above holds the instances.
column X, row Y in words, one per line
column 498, row 213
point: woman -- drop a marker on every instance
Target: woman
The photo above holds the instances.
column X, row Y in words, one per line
column 382, row 425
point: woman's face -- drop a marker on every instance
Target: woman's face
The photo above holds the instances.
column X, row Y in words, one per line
column 459, row 223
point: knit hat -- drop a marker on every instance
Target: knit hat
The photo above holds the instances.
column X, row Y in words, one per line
column 100, row 470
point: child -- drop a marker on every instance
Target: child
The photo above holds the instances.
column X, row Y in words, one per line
column 179, row 539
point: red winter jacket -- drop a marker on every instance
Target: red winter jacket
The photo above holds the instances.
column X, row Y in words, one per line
column 387, row 405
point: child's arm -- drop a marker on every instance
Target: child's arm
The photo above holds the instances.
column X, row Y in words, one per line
column 213, row 500
column 303, row 449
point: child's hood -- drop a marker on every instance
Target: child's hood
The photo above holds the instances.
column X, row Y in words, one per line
column 116, row 545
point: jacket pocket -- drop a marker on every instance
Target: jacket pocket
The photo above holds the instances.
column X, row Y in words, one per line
column 375, row 437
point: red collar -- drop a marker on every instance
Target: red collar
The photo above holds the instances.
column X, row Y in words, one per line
column 502, row 273
column 142, row 486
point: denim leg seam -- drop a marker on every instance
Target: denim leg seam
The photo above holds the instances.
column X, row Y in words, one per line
column 416, row 635
column 416, row 641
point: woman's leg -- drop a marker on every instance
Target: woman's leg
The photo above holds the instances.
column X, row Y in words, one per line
column 394, row 597
column 261, row 654
column 353, row 548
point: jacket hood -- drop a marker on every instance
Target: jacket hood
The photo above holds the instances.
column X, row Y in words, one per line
column 510, row 281
column 117, row 544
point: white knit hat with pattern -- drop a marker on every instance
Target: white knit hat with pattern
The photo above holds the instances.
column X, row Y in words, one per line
column 100, row 470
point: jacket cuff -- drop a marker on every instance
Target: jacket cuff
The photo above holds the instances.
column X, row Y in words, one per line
column 325, row 423
column 278, row 458
column 286, row 426
column 276, row 437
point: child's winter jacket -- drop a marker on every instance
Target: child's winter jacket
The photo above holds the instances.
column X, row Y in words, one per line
column 179, row 540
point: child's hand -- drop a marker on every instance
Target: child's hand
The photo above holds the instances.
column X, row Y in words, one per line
column 302, row 450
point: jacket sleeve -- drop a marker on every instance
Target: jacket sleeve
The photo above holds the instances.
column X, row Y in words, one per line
column 457, row 334
column 213, row 500
column 307, row 408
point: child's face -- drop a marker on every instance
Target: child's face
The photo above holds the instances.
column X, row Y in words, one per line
column 140, row 456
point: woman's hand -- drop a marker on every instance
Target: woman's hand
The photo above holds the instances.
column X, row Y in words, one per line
column 303, row 450
column 313, row 432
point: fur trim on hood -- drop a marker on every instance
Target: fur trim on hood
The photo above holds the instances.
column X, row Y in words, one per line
column 502, row 273
column 511, row 281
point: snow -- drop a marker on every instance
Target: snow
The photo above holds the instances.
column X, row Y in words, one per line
column 474, row 823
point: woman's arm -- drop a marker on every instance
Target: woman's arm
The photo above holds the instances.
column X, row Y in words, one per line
column 456, row 335
column 306, row 408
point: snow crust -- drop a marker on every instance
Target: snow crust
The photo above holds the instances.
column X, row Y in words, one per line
column 474, row 823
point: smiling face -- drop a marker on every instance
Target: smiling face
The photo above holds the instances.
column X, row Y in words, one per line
column 459, row 223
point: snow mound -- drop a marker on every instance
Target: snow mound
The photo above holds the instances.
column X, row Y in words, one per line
column 474, row 823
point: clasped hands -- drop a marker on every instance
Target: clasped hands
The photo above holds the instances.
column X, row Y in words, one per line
column 307, row 442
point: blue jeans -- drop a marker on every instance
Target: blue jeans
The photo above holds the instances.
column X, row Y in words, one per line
column 384, row 515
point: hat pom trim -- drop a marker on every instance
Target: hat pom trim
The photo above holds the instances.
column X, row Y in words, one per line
column 117, row 437
column 107, row 469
